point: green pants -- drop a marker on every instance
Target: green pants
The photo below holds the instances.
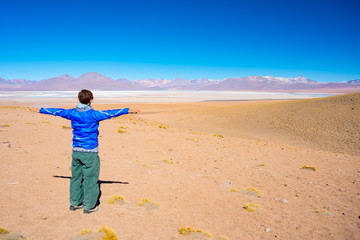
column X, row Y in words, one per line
column 84, row 188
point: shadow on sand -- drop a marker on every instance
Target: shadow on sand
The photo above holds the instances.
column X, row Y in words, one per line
column 99, row 182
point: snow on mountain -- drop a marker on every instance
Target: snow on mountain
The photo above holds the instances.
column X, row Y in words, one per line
column 266, row 83
column 299, row 79
column 177, row 83
column 354, row 82
column 152, row 82
column 185, row 84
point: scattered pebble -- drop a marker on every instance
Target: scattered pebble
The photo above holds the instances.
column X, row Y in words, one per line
column 282, row 200
column 7, row 143
column 13, row 183
column 267, row 230
column 228, row 183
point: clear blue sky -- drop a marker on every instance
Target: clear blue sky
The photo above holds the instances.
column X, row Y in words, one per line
column 178, row 38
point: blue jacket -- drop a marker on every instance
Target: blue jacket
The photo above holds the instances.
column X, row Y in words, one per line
column 84, row 122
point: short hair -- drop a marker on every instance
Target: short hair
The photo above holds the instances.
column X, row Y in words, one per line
column 85, row 96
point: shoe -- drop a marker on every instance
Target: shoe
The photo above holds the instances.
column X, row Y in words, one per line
column 73, row 208
column 90, row 210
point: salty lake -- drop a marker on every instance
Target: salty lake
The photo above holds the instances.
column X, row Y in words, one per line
column 152, row 96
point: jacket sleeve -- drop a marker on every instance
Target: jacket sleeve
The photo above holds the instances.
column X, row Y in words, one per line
column 57, row 112
column 107, row 114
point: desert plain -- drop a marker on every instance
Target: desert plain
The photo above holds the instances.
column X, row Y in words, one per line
column 277, row 169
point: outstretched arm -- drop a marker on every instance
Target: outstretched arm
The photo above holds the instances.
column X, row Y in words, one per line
column 107, row 114
column 53, row 111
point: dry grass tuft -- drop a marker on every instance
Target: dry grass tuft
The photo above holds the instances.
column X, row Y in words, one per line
column 13, row 107
column 3, row 230
column 190, row 231
column 6, row 235
column 308, row 168
column 251, row 189
column 167, row 161
column 148, row 204
column 85, row 231
column 248, row 191
column 323, row 212
column 218, row 135
column 104, row 233
column 252, row 207
column 163, row 126
column 109, row 233
column 116, row 200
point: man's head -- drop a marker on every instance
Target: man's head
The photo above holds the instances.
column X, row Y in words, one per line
column 85, row 96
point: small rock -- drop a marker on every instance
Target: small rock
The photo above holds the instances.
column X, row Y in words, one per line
column 44, row 217
column 13, row 183
column 285, row 201
column 267, row 229
column 228, row 184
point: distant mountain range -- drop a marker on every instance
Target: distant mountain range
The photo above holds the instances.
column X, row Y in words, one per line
column 96, row 81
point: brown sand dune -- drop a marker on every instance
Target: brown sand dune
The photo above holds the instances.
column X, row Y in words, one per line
column 331, row 123
column 198, row 177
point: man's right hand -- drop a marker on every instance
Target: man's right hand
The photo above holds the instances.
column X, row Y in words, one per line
column 132, row 111
column 37, row 110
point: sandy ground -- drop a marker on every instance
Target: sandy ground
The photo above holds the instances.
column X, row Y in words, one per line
column 194, row 160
